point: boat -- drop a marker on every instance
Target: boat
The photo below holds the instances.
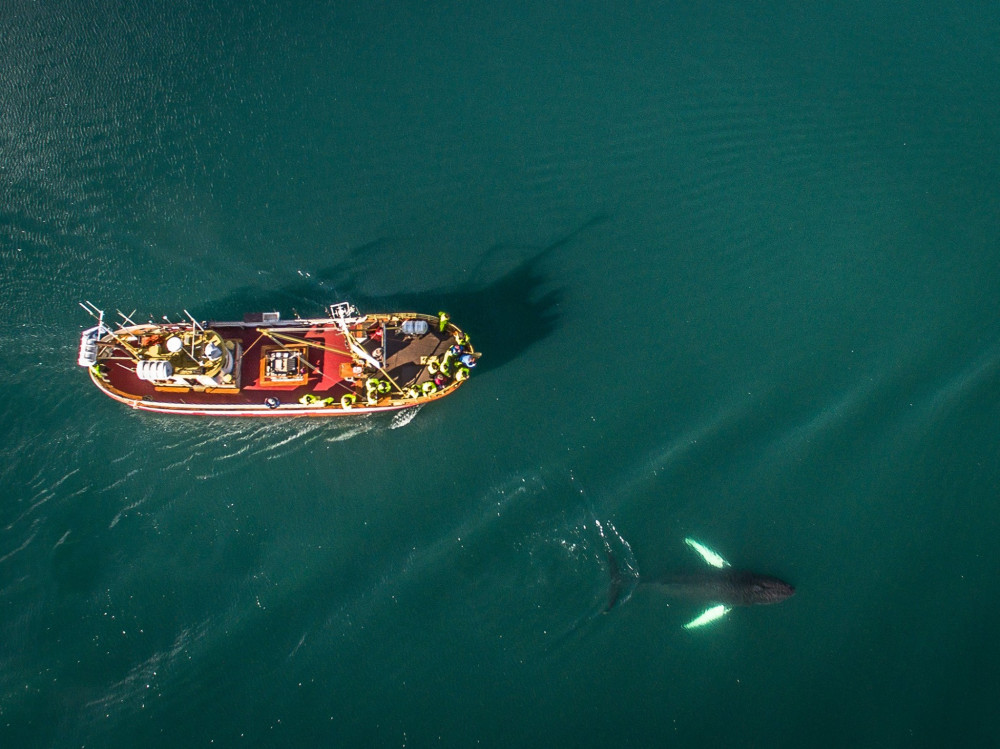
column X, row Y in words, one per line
column 344, row 364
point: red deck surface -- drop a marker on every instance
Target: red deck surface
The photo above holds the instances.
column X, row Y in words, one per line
column 325, row 378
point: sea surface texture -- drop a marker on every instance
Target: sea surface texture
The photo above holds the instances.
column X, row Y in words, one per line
column 735, row 271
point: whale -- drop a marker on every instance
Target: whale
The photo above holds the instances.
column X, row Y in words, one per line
column 720, row 587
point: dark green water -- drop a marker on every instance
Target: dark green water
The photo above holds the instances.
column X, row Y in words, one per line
column 735, row 270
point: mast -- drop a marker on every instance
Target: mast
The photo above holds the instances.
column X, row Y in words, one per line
column 98, row 332
column 195, row 327
column 97, row 314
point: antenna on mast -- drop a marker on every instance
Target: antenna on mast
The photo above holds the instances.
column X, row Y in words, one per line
column 87, row 356
column 193, row 321
column 92, row 336
column 127, row 318
column 93, row 311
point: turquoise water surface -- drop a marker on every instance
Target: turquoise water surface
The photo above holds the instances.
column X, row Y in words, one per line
column 734, row 268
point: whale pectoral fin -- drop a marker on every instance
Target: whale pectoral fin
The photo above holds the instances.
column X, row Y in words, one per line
column 708, row 616
column 712, row 557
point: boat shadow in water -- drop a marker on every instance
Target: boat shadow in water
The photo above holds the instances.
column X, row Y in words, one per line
column 504, row 317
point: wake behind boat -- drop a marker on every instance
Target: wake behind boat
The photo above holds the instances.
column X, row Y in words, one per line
column 343, row 364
